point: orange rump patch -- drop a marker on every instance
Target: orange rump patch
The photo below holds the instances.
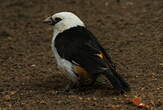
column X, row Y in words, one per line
column 79, row 69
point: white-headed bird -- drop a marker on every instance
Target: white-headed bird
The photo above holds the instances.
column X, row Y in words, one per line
column 78, row 52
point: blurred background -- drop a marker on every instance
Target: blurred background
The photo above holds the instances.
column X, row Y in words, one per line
column 130, row 30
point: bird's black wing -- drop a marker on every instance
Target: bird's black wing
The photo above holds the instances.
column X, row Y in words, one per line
column 79, row 45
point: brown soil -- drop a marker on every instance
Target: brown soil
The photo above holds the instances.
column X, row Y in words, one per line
column 131, row 31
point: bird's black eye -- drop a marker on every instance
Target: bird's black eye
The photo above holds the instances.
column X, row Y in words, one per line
column 57, row 19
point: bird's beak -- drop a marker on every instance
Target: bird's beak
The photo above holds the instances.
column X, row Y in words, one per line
column 49, row 21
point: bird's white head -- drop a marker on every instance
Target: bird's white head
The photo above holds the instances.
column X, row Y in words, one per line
column 63, row 21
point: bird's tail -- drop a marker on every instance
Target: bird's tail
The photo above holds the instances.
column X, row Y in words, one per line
column 117, row 81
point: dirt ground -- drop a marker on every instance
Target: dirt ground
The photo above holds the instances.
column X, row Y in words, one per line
column 131, row 31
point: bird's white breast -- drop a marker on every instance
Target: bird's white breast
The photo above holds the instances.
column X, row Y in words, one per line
column 63, row 63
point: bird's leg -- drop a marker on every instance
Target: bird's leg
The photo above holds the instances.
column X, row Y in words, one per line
column 69, row 86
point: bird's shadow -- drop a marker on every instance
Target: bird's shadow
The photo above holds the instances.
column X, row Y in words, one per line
column 58, row 83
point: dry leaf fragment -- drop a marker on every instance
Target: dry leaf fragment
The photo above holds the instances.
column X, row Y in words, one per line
column 137, row 101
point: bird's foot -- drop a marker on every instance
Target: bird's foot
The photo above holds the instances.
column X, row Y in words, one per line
column 68, row 87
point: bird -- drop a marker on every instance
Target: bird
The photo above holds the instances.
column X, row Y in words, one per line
column 80, row 55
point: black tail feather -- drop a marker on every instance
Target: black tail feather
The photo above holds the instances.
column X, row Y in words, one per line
column 117, row 81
